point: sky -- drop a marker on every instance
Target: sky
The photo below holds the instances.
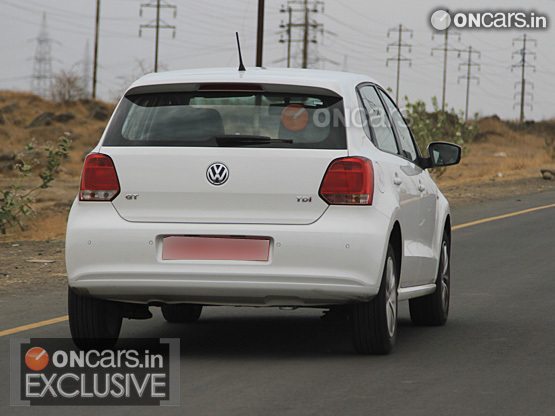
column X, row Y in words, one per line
column 354, row 39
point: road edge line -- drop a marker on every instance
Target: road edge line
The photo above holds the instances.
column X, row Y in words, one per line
column 34, row 325
column 501, row 217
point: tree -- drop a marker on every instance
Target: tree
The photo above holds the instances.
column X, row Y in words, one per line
column 67, row 87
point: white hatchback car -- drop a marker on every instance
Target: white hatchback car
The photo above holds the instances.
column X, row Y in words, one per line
column 288, row 188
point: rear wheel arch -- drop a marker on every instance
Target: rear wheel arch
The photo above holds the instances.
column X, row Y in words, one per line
column 447, row 227
column 396, row 241
column 447, row 232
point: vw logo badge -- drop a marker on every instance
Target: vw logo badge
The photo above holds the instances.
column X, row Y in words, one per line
column 217, row 174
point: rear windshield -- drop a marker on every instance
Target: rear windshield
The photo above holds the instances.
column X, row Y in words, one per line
column 229, row 119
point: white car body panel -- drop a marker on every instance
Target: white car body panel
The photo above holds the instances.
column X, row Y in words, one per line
column 320, row 254
column 330, row 261
column 177, row 190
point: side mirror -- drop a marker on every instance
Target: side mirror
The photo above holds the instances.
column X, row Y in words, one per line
column 443, row 154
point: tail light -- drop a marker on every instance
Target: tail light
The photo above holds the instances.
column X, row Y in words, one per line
column 99, row 180
column 348, row 181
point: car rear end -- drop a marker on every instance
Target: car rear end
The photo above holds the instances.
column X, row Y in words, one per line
column 227, row 194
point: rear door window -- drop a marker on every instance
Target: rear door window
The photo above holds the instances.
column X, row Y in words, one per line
column 378, row 120
column 405, row 136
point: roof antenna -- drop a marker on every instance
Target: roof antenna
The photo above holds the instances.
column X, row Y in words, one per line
column 241, row 66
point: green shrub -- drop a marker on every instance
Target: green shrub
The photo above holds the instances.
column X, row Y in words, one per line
column 437, row 125
column 16, row 202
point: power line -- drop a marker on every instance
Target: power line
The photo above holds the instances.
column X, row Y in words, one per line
column 358, row 12
column 360, row 32
column 469, row 64
column 157, row 23
column 41, row 80
column 446, row 49
column 523, row 64
column 65, row 22
column 354, row 47
column 399, row 45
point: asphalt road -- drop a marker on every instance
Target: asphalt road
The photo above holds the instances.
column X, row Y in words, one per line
column 495, row 356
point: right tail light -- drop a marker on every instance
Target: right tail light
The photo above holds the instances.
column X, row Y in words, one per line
column 348, row 181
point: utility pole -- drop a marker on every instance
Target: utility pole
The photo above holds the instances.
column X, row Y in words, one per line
column 95, row 59
column 524, row 52
column 400, row 58
column 288, row 31
column 157, row 24
column 260, row 33
column 468, row 77
column 41, row 80
column 345, row 67
column 87, row 70
column 305, row 35
column 445, row 49
column 310, row 28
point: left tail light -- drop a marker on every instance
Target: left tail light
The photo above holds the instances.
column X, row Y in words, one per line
column 99, row 180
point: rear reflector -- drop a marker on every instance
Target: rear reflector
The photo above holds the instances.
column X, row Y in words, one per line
column 99, row 180
column 348, row 181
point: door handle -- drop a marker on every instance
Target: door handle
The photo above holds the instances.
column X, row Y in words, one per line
column 421, row 187
column 397, row 180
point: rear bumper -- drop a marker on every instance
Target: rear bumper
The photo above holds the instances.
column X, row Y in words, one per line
column 337, row 259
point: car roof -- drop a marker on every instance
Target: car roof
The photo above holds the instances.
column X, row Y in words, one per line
column 332, row 80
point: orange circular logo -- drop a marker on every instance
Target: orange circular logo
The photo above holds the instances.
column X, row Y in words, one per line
column 36, row 359
column 294, row 117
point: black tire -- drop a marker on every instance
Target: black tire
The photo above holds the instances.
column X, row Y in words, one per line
column 181, row 312
column 433, row 309
column 373, row 331
column 94, row 323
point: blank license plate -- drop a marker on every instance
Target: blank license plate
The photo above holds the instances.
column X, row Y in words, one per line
column 215, row 248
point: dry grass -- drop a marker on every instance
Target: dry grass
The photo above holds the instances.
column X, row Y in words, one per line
column 501, row 154
column 15, row 134
column 52, row 204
